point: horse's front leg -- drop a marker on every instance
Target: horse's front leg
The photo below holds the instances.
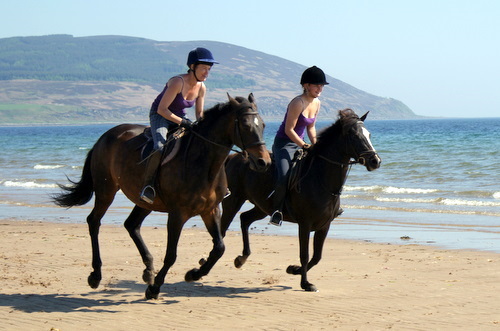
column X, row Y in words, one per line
column 247, row 218
column 174, row 227
column 212, row 221
column 304, row 233
column 133, row 225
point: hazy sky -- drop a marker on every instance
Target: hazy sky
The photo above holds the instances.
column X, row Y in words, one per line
column 439, row 57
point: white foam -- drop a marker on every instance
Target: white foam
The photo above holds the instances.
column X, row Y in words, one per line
column 405, row 200
column 10, row 183
column 402, row 190
column 460, row 202
column 390, row 189
column 42, row 166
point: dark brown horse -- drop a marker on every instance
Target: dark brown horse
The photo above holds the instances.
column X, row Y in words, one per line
column 192, row 183
column 316, row 182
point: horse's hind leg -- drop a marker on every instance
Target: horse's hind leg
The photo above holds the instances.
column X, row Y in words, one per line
column 247, row 218
column 133, row 225
column 94, row 223
column 212, row 222
column 230, row 206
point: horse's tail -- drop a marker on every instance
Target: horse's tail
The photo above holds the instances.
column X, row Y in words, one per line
column 79, row 193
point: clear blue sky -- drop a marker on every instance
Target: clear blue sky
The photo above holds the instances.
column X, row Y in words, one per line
column 440, row 57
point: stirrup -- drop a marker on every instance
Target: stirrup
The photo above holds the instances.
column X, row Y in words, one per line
column 276, row 218
column 148, row 194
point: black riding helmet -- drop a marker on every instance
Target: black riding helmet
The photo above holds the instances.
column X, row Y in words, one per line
column 313, row 75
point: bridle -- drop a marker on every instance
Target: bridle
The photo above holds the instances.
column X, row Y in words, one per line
column 361, row 160
column 237, row 134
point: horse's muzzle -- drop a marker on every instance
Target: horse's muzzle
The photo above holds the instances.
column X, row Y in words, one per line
column 260, row 160
column 370, row 160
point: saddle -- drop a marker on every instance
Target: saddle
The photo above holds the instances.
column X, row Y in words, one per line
column 170, row 149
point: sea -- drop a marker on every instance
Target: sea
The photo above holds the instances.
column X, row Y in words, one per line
column 438, row 185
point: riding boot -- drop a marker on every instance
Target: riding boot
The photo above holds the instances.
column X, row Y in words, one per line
column 278, row 203
column 148, row 193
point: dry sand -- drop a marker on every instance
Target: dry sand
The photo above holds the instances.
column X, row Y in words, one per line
column 362, row 286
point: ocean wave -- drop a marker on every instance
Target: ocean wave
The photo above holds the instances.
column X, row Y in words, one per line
column 460, row 202
column 496, row 195
column 407, row 200
column 10, row 183
column 389, row 189
column 422, row 210
column 44, row 167
column 442, row 201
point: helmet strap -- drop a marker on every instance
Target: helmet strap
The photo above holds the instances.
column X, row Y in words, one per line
column 194, row 72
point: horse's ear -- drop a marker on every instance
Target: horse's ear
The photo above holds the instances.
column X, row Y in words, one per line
column 251, row 98
column 232, row 100
column 363, row 118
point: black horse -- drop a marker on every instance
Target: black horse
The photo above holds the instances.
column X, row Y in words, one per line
column 191, row 183
column 315, row 186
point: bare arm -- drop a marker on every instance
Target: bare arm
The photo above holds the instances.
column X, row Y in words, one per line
column 200, row 102
column 311, row 128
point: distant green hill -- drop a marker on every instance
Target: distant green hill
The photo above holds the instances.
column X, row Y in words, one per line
column 60, row 78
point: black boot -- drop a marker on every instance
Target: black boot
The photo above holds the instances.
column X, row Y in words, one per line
column 148, row 193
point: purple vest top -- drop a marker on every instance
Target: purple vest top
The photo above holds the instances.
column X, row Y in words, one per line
column 178, row 104
column 300, row 126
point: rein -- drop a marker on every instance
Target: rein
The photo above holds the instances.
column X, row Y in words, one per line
column 237, row 133
column 340, row 164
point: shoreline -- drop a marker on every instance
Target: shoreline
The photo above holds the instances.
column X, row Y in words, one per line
column 361, row 285
column 446, row 231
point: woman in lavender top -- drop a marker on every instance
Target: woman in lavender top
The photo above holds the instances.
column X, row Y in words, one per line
column 300, row 117
column 168, row 110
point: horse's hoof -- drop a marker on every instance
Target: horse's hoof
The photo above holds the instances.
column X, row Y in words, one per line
column 148, row 276
column 192, row 275
column 293, row 270
column 309, row 288
column 239, row 261
column 152, row 292
column 94, row 280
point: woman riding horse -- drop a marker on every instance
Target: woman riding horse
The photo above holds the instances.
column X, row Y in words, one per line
column 168, row 110
column 301, row 114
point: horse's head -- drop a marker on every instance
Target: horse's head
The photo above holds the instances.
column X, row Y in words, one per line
column 349, row 138
column 358, row 140
column 248, row 133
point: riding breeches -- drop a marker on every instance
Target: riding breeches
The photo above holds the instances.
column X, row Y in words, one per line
column 159, row 129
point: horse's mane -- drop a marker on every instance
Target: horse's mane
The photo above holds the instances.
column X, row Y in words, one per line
column 346, row 118
column 214, row 113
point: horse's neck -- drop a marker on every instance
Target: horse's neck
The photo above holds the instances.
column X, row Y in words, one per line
column 332, row 169
column 206, row 151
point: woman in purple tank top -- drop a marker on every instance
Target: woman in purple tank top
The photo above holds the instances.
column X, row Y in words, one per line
column 168, row 110
column 300, row 117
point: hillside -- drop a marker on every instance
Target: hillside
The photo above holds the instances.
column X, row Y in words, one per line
column 63, row 79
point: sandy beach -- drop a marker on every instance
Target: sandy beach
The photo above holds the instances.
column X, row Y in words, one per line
column 362, row 286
